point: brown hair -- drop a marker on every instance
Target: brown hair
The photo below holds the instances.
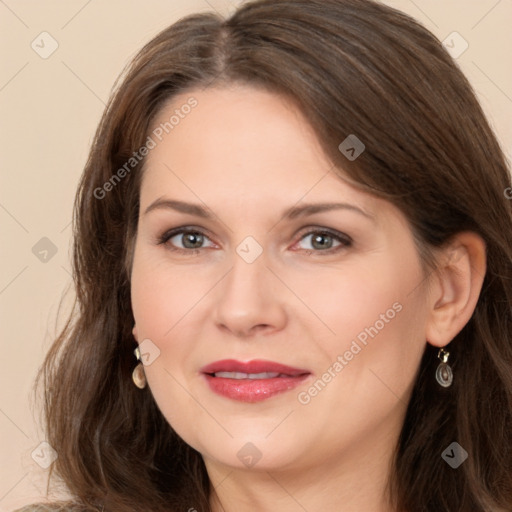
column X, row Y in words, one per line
column 352, row 67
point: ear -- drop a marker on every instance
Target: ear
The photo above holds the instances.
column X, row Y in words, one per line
column 134, row 332
column 455, row 287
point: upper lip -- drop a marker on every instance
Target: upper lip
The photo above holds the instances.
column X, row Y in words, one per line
column 254, row 366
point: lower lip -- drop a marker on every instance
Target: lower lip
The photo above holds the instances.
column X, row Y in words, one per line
column 253, row 390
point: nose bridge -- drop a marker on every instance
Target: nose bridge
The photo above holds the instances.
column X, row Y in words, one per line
column 247, row 280
column 248, row 296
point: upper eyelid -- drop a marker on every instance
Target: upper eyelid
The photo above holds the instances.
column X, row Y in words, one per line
column 307, row 231
column 171, row 233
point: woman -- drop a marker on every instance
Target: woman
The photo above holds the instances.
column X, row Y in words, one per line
column 337, row 335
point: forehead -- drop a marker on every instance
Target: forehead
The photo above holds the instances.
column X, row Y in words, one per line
column 235, row 125
column 238, row 142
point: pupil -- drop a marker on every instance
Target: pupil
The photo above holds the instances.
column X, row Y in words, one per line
column 318, row 239
column 191, row 237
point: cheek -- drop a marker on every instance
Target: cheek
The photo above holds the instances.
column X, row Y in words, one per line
column 376, row 316
column 167, row 300
column 352, row 299
column 367, row 369
column 161, row 295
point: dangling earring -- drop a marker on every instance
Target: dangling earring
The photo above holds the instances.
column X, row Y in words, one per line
column 444, row 374
column 138, row 375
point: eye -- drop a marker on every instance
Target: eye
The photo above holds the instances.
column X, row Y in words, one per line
column 322, row 241
column 191, row 239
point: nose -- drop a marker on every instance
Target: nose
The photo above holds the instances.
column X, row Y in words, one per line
column 250, row 300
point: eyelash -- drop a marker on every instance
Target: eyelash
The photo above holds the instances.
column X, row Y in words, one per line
column 345, row 240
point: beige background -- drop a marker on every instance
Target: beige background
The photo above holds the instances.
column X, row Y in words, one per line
column 50, row 109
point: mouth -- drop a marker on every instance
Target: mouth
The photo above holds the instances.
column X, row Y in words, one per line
column 252, row 381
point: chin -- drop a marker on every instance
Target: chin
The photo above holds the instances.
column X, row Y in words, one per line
column 251, row 453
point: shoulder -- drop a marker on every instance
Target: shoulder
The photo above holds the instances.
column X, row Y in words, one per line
column 38, row 508
column 49, row 507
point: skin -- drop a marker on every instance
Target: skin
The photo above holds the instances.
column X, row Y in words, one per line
column 247, row 155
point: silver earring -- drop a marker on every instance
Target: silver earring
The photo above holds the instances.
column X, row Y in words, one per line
column 444, row 374
column 138, row 375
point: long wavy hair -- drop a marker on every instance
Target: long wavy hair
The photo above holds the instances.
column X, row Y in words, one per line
column 351, row 67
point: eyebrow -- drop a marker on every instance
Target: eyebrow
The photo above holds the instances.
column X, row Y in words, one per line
column 291, row 213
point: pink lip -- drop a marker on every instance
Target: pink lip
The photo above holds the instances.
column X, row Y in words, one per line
column 255, row 366
column 252, row 390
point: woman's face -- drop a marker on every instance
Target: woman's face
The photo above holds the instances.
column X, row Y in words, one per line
column 332, row 294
